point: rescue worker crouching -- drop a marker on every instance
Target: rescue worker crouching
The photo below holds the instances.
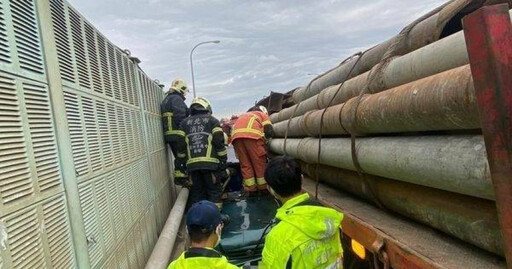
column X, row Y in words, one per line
column 174, row 110
column 307, row 234
column 250, row 132
column 202, row 153
column 204, row 227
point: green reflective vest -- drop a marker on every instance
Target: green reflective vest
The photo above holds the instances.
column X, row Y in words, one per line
column 307, row 236
column 201, row 258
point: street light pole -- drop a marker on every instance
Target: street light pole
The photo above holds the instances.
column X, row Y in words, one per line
column 192, row 63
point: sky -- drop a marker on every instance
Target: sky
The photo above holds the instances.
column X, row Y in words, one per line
column 265, row 45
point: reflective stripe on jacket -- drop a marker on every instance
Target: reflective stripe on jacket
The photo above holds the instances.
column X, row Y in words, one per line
column 307, row 236
column 200, row 258
column 250, row 125
column 201, row 144
column 174, row 110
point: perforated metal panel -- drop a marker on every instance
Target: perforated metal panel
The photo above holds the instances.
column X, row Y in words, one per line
column 25, row 243
column 26, row 35
column 28, row 154
column 105, row 214
column 15, row 179
column 73, row 113
column 93, row 57
column 115, row 206
column 62, row 39
column 42, row 133
column 56, row 226
column 105, row 72
column 5, row 55
column 91, row 222
column 132, row 252
column 79, row 48
column 122, row 257
column 39, row 236
column 111, row 263
column 115, row 144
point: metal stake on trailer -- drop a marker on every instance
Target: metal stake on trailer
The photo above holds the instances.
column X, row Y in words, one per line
column 488, row 34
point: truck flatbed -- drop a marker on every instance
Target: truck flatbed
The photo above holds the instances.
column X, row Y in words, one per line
column 407, row 244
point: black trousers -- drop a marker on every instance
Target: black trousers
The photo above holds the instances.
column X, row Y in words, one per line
column 205, row 187
column 174, row 148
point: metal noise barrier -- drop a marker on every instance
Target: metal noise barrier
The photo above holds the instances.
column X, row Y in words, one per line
column 162, row 252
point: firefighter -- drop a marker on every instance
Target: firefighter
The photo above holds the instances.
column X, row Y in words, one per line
column 174, row 110
column 307, row 235
column 202, row 153
column 204, row 227
column 250, row 132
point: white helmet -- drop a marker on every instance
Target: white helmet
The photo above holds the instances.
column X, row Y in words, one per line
column 263, row 109
column 203, row 102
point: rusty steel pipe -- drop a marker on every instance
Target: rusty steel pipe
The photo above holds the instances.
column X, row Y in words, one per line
column 445, row 101
column 445, row 54
column 162, row 251
column 470, row 219
column 454, row 163
column 421, row 34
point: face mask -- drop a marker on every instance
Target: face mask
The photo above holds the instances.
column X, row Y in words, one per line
column 218, row 232
column 276, row 197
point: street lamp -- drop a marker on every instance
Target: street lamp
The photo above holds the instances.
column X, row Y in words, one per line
column 192, row 64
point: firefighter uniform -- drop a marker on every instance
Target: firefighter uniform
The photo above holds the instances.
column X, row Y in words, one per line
column 174, row 110
column 248, row 138
column 306, row 236
column 202, row 153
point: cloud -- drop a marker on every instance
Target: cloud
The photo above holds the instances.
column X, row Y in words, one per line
column 265, row 45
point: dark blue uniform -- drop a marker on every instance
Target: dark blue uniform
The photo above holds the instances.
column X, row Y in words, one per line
column 174, row 110
column 202, row 153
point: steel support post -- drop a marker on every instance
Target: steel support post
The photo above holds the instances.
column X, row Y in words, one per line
column 488, row 34
column 62, row 135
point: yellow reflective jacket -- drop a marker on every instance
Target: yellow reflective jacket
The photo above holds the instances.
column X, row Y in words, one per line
column 201, row 258
column 307, row 236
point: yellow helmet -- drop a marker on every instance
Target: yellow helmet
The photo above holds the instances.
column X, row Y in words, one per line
column 203, row 102
column 179, row 85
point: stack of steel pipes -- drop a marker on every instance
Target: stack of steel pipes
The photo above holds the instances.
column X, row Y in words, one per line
column 399, row 127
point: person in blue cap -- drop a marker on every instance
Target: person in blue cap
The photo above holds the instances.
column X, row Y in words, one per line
column 204, row 227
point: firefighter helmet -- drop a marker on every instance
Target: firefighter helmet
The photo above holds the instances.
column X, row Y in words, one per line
column 179, row 85
column 201, row 102
column 263, row 109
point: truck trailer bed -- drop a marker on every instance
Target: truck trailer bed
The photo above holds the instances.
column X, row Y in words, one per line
column 407, row 244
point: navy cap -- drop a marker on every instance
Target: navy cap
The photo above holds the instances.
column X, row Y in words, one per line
column 204, row 215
